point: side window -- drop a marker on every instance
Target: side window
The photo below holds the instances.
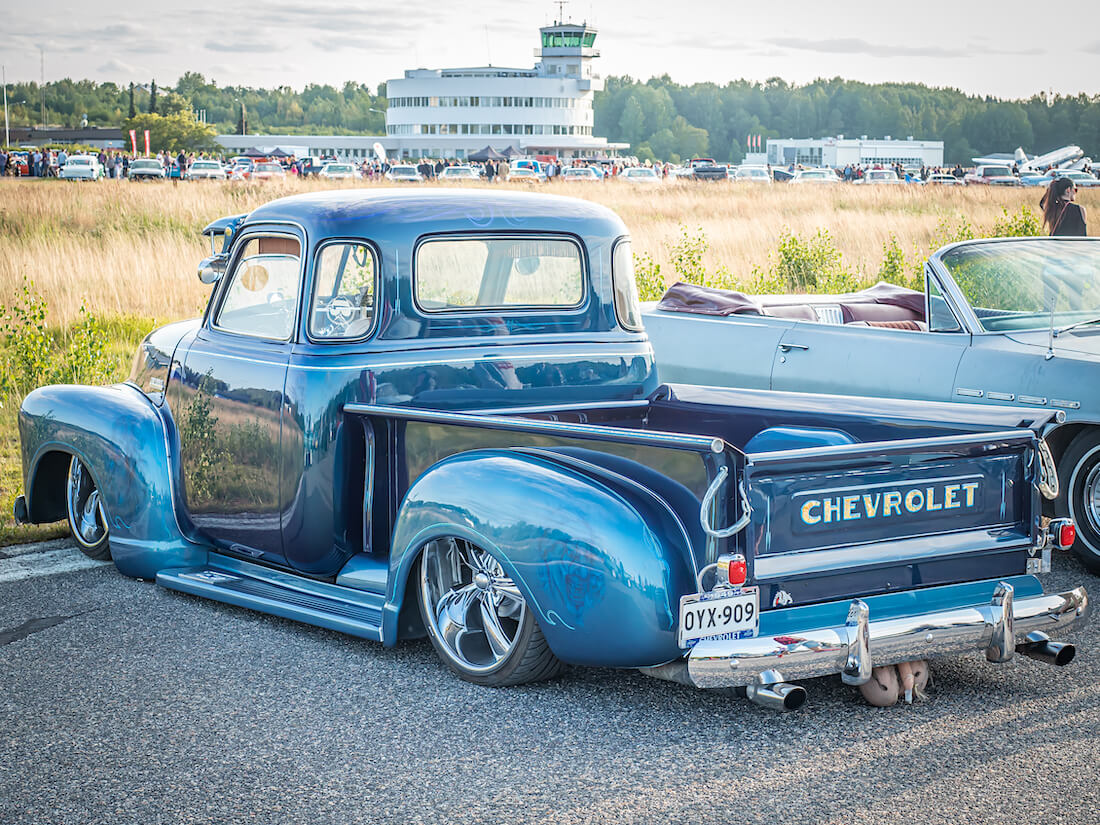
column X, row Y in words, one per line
column 940, row 316
column 627, row 308
column 502, row 273
column 343, row 292
column 263, row 289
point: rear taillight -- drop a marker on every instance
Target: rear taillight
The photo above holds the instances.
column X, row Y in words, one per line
column 1067, row 534
column 732, row 569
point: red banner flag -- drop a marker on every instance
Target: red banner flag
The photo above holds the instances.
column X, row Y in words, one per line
column 147, row 141
column 133, row 141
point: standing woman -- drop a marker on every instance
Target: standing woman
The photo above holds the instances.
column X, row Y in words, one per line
column 1060, row 214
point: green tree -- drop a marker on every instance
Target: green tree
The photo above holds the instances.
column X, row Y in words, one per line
column 153, row 98
column 175, row 133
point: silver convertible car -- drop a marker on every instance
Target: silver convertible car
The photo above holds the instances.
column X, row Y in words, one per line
column 1007, row 321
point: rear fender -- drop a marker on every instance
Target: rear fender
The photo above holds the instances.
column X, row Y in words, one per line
column 598, row 558
column 121, row 438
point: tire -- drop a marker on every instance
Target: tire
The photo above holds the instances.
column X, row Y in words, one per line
column 1079, row 495
column 87, row 520
column 477, row 619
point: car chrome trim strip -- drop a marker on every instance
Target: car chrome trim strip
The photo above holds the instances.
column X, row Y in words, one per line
column 882, row 448
column 716, row 663
column 968, row 392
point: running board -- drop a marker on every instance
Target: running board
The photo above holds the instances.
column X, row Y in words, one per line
column 332, row 607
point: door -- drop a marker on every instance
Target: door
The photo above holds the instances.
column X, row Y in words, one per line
column 846, row 359
column 228, row 404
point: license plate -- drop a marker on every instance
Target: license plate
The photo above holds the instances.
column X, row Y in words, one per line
column 722, row 614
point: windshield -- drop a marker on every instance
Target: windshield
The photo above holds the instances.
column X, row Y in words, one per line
column 1013, row 285
column 145, row 164
column 996, row 172
column 269, row 167
column 80, row 161
column 338, row 167
column 199, row 164
column 640, row 173
column 403, row 172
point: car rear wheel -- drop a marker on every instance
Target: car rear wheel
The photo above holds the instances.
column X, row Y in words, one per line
column 477, row 619
column 1079, row 496
column 87, row 521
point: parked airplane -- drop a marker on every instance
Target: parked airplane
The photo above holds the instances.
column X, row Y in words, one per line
column 1065, row 157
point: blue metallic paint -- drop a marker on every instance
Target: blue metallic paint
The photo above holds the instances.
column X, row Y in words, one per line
column 583, row 551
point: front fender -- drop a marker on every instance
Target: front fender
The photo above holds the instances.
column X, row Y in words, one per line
column 594, row 558
column 120, row 437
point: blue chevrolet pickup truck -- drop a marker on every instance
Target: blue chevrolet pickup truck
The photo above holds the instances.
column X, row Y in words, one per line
column 436, row 414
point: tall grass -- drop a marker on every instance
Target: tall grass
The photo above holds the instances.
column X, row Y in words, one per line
column 131, row 249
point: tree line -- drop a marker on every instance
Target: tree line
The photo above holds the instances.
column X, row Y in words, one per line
column 660, row 118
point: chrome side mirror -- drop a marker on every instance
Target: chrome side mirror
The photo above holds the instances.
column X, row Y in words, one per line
column 211, row 269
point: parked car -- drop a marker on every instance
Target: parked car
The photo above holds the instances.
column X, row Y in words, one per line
column 268, row 171
column 706, row 169
column 146, row 169
column 1002, row 321
column 404, row 173
column 641, row 174
column 1034, row 179
column 943, row 179
column 459, row 173
column 991, row 176
column 206, row 170
column 574, row 174
column 879, row 177
column 399, row 416
column 815, row 176
column 82, row 167
column 1081, row 180
column 753, row 174
column 241, row 168
column 527, row 175
column 339, row 171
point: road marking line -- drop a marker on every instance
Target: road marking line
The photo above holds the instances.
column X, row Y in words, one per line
column 50, row 563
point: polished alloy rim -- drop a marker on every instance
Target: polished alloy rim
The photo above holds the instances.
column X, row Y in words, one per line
column 474, row 610
column 1091, row 496
column 86, row 517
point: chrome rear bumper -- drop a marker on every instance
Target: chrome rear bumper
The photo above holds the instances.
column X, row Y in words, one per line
column 862, row 642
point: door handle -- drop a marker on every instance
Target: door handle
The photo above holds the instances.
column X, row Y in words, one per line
column 789, row 347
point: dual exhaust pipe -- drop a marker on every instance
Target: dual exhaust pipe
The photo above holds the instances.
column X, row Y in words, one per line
column 1038, row 646
column 770, row 691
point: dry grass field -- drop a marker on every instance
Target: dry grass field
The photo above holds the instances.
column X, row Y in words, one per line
column 128, row 252
column 131, row 249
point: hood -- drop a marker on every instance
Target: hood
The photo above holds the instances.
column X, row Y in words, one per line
column 1084, row 341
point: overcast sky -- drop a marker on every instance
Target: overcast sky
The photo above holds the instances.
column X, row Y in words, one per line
column 1008, row 49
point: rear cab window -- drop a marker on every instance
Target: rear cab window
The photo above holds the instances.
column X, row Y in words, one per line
column 499, row 273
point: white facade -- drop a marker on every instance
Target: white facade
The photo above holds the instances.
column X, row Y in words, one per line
column 838, row 152
column 543, row 110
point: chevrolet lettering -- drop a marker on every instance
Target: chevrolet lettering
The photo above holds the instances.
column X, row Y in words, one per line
column 851, row 506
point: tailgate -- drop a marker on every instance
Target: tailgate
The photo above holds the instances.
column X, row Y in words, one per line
column 832, row 522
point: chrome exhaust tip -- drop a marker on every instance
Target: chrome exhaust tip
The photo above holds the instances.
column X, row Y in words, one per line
column 1038, row 646
column 770, row 691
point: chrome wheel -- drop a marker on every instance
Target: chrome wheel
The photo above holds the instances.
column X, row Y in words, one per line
column 474, row 613
column 87, row 520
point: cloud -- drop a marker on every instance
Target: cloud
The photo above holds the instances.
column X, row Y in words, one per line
column 241, row 46
column 114, row 66
column 853, row 45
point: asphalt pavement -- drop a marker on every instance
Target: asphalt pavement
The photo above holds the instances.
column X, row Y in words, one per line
column 123, row 702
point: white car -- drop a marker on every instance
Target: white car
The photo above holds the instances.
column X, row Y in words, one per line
column 404, row 173
column 752, row 174
column 527, row 174
column 453, row 173
column 1080, row 179
column 82, row 167
column 268, row 171
column 338, row 171
column 943, row 179
column 640, row 174
column 581, row 173
column 814, row 176
column 206, row 170
column 880, row 176
column 146, row 169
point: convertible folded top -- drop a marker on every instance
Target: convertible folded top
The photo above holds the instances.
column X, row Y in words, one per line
column 702, row 300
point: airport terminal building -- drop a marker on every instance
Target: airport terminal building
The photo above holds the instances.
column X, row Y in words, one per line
column 838, row 152
column 451, row 113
